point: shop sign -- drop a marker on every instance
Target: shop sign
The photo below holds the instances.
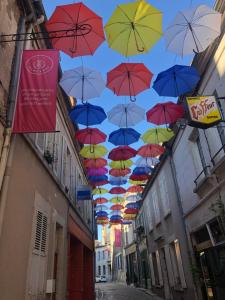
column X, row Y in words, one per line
column 83, row 192
column 204, row 111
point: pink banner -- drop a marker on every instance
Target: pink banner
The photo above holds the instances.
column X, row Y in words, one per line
column 118, row 238
column 36, row 99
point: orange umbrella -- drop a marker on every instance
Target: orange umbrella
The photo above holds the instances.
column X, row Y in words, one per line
column 135, row 189
column 119, row 172
column 100, row 200
column 117, row 207
column 151, row 150
column 95, row 163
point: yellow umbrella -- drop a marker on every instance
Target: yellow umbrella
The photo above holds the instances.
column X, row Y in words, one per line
column 99, row 191
column 95, row 151
column 117, row 200
column 157, row 135
column 137, row 182
column 134, row 28
column 121, row 164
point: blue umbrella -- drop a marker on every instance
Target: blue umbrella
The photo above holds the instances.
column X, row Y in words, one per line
column 87, row 114
column 98, row 178
column 102, row 214
column 117, row 180
column 132, row 205
column 142, row 170
column 126, row 222
column 117, row 217
column 176, row 81
column 124, row 137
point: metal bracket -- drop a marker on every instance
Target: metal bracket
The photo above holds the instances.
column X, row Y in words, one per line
column 77, row 30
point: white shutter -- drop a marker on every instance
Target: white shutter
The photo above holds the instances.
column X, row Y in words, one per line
column 169, row 265
column 156, row 206
column 152, row 269
column 40, row 238
column 180, row 264
column 40, row 141
column 159, row 267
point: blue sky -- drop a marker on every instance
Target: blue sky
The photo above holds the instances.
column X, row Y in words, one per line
column 157, row 60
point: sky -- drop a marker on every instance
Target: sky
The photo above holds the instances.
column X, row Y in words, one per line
column 105, row 59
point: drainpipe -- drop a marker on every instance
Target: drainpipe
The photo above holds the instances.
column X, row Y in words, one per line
column 181, row 211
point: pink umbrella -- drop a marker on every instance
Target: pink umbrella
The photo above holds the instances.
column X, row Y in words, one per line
column 97, row 172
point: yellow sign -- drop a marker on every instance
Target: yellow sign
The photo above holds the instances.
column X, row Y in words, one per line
column 204, row 111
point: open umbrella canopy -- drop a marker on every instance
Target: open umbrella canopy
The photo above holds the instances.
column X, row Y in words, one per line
column 117, row 190
column 165, row 113
column 97, row 172
column 137, row 182
column 99, row 191
column 82, row 83
column 122, row 153
column 101, row 218
column 117, row 180
column 87, row 114
column 117, row 217
column 122, row 164
column 129, row 216
column 95, row 163
column 98, row 178
column 102, row 222
column 193, row 30
column 115, row 213
column 132, row 205
column 101, row 207
column 142, row 170
column 143, row 177
column 119, row 172
column 176, row 81
column 78, row 20
column 101, row 214
column 100, row 200
column 132, row 198
column 95, row 151
column 117, row 200
column 129, row 79
column 147, row 161
column 117, row 207
column 157, row 135
column 124, row 136
column 126, row 115
column 151, row 150
column 134, row 28
column 131, row 211
column 127, row 222
column 90, row 136
column 135, row 189
column 95, row 184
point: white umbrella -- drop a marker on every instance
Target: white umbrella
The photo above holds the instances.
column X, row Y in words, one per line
column 147, row 162
column 126, row 115
column 116, row 213
column 133, row 198
column 82, row 83
column 101, row 207
column 193, row 30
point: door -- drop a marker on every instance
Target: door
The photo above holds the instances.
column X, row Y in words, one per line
column 165, row 275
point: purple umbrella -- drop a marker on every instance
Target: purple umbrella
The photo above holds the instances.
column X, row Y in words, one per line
column 97, row 172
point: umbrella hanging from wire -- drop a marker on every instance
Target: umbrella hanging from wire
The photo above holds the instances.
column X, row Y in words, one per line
column 119, row 172
column 117, row 200
column 132, row 205
column 147, row 161
column 117, row 207
column 95, row 162
column 81, row 28
column 176, row 81
column 131, row 211
column 150, row 150
column 122, row 153
column 157, row 135
column 97, row 172
column 142, row 177
column 135, row 189
column 99, row 191
column 101, row 207
column 101, row 214
column 129, row 79
column 121, row 164
column 125, row 115
column 97, row 179
column 134, row 28
column 82, row 83
column 137, row 182
column 90, row 136
column 124, row 136
column 100, row 200
column 117, row 190
column 165, row 113
column 193, row 30
column 142, row 170
column 87, row 114
column 95, row 151
column 117, row 180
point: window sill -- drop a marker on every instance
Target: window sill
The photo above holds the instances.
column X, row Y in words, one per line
column 202, row 183
column 219, row 164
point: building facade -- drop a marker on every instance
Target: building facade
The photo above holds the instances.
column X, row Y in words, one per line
column 103, row 262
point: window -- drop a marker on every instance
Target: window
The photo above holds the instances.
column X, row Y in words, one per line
column 99, row 255
column 103, row 254
column 103, row 269
column 163, row 189
column 40, row 239
column 156, row 206
column 216, row 230
column 148, row 213
column 99, row 270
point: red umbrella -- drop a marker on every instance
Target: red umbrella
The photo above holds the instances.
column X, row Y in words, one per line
column 119, row 172
column 115, row 222
column 139, row 177
column 151, row 150
column 129, row 79
column 135, row 189
column 97, row 172
column 100, row 200
column 90, row 136
column 117, row 190
column 117, row 207
column 81, row 29
column 122, row 153
column 102, row 218
column 165, row 113
column 131, row 211
column 95, row 163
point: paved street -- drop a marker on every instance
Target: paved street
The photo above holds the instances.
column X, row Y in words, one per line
column 112, row 291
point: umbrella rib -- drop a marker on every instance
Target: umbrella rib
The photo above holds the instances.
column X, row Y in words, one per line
column 140, row 25
column 203, row 16
column 150, row 14
column 68, row 14
column 124, row 13
column 118, row 35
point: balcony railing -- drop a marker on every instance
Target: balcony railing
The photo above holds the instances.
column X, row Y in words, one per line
column 205, row 171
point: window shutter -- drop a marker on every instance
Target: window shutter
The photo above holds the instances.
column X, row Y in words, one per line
column 180, row 264
column 159, row 268
column 169, row 265
column 152, row 269
column 40, row 239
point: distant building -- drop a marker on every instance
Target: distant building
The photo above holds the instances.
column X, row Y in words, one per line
column 103, row 261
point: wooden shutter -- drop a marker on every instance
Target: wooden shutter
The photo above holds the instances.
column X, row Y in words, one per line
column 180, row 264
column 152, row 269
column 169, row 265
column 159, row 267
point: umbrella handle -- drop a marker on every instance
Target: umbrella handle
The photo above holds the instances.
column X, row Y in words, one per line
column 92, row 148
column 84, row 101
column 133, row 99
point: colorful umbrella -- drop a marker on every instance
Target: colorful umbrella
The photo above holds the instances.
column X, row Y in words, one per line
column 117, row 190
column 129, row 217
column 122, row 164
column 116, row 222
column 151, row 150
column 157, row 135
column 132, row 198
column 87, row 114
column 90, row 136
column 135, row 189
column 129, row 79
column 119, row 172
column 102, row 222
column 132, row 205
column 99, row 191
column 100, row 200
column 82, row 30
column 116, row 213
column 117, row 180
column 142, row 170
column 122, row 153
column 95, row 151
column 117, row 200
column 97, row 178
column 131, row 211
column 165, row 113
column 147, row 161
column 193, row 30
column 124, row 136
column 137, row 182
column 95, row 163
column 97, row 172
column 125, row 115
column 139, row 177
column 134, row 28
column 99, row 183
column 102, row 218
column 176, row 81
column 101, row 214
column 127, row 222
column 101, row 207
column 82, row 83
column 117, row 217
